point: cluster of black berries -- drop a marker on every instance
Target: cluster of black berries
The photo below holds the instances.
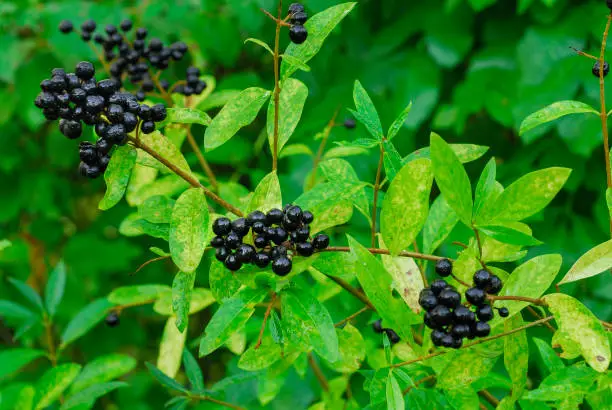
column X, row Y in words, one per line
column 298, row 16
column 77, row 98
column 136, row 58
column 393, row 337
column 451, row 321
column 596, row 68
column 277, row 236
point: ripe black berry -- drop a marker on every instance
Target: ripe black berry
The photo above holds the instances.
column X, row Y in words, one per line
column 503, row 312
column 393, row 337
column 85, row 70
column 437, row 336
column 289, row 224
column 301, row 234
column 279, row 236
column 447, row 341
column 232, row 263
column 294, row 214
column 482, row 329
column 116, row 134
column 476, row 296
column 350, row 124
column 298, row 34
column 89, row 171
column 85, row 36
column 460, row 330
column 482, row 279
column 463, row 315
column 296, row 8
column 609, row 4
column 88, row 25
column 104, row 146
column 141, row 33
column 485, row 313
column 457, row 342
column 71, row 129
column 259, row 227
column 449, row 298
column 147, row 127
column 217, row 242
column 278, row 251
column 256, row 216
column 438, row 286
column 596, row 68
column 444, row 267
column 307, row 217
column 240, row 227
column 245, row 253
column 130, row 121
column 321, row 241
column 110, row 29
column 112, row 320
column 261, row 259
column 232, row 240
column 304, row 249
column 222, row 226
column 441, row 315
column 66, row 26
column 428, row 302
column 274, row 216
column 126, row 25
column 88, row 152
column 261, row 242
column 282, row 266
column 158, row 112
column 94, row 104
column 377, row 326
column 221, row 254
column 495, row 285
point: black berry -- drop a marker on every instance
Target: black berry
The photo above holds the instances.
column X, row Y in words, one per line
column 274, row 216
column 307, row 217
column 438, row 286
column 350, row 124
column 158, row 112
column 482, row 329
column 126, row 25
column 437, row 336
column 278, row 251
column 377, row 326
column 71, row 129
column 444, row 267
column 296, row 8
column 460, row 330
column 304, row 249
column 147, row 127
column 88, row 25
column 596, row 69
column 261, row 242
column 475, row 296
column 298, row 34
column 504, row 312
column 88, row 152
column 66, row 26
column 217, row 242
column 240, row 227
column 441, row 315
column 245, row 253
column 222, row 226
column 449, row 298
column 485, row 313
column 282, row 266
column 85, row 70
column 393, row 337
column 495, row 285
column 221, row 254
column 299, row 18
column 261, row 259
column 482, row 279
column 112, row 320
column 321, row 241
column 232, row 263
column 232, row 240
column 463, row 315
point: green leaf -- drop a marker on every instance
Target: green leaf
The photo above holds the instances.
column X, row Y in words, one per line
column 164, row 147
column 440, row 223
column 259, row 43
column 157, row 209
column 392, row 160
column 563, row 383
column 182, row 288
column 352, row 350
column 366, row 111
column 254, row 359
column 231, row 317
column 462, row 399
column 341, row 170
column 14, row 359
column 407, row 279
column 193, row 371
column 295, row 149
column 300, row 308
column 223, row 283
column 89, row 396
column 85, row 320
column 27, row 292
column 395, row 398
column 399, row 122
column 293, row 96
column 54, row 291
column 465, row 367
column 452, row 179
column 14, row 310
column 103, row 369
column 276, row 328
column 340, row 152
column 595, row 261
column 201, row 298
column 580, row 326
column 319, row 27
column 359, row 143
column 406, row 205
column 529, row 194
column 117, row 176
column 294, row 61
column 464, row 152
column 165, row 380
column 171, row 348
column 509, row 235
column 531, row 279
column 237, row 113
column 267, row 195
column 17, row 396
column 137, row 295
column 189, row 229
column 516, row 356
column 52, row 384
column 185, row 116
column 376, row 283
column 550, row 359
column 485, row 189
column 553, row 112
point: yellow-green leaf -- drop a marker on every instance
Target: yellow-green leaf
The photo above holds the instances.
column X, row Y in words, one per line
column 189, row 230
column 53, row 383
column 171, row 348
column 159, row 143
column 553, row 112
column 182, row 288
column 595, row 261
column 293, row 96
column 267, row 195
column 117, row 175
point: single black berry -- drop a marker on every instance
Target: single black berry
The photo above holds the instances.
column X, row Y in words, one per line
column 282, row 266
column 233, row 263
column 221, row 254
column 350, row 124
column 298, row 34
column 482, row 279
column 217, row 242
column 85, row 70
column 447, row 341
column 71, row 129
column 88, row 152
column 485, row 313
column 495, row 285
column 245, row 253
column 126, row 25
column 256, row 216
column 261, row 259
column 475, row 296
column 393, row 337
column 436, row 337
column 321, row 241
column 301, row 234
column 294, row 213
column 444, row 267
column 240, row 227
column 296, row 8
column 103, row 146
column 438, row 286
column 504, row 312
column 261, row 242
column 289, row 224
column 596, row 69
column 449, row 298
column 299, row 18
column 258, row 227
column 441, row 315
column 274, row 216
column 130, row 121
column 377, row 326
column 66, row 26
column 428, row 302
column 233, row 240
column 482, row 329
column 460, row 330
column 89, row 171
column 110, row 30
column 88, row 25
column 304, row 249
column 457, row 342
column 609, row 4
column 279, row 235
column 222, row 226
column 278, row 251
column 116, row 134
column 307, row 217
column 85, row 36
column 147, row 127
column 463, row 315
column 158, row 112
column 112, row 320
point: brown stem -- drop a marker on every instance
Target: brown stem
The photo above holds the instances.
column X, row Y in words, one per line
column 353, row 316
column 603, row 114
column 277, row 89
column 50, row 343
column 378, row 251
column 533, row 301
column 418, row 383
column 582, row 53
column 187, row 177
column 346, row 286
column 483, row 340
column 492, row 400
column 538, row 316
column 318, row 373
column 216, row 401
column 150, row 261
column 203, row 163
column 326, row 133
column 265, row 319
column 376, row 188
column 164, row 94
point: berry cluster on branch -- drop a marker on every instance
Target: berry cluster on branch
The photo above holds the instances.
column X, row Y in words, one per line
column 297, row 16
column 276, row 236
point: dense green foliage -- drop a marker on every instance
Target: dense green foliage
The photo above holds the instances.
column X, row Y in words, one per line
column 472, row 71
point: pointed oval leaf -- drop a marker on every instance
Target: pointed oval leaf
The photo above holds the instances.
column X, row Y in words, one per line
column 260, row 43
column 185, row 116
column 161, row 144
column 201, row 298
column 293, row 61
column 14, row 359
column 319, row 27
column 87, row 398
column 399, row 122
column 553, row 112
column 54, row 291
column 465, row 153
column 262, row 357
column 189, row 229
column 550, row 358
column 103, row 369
column 157, row 209
column 293, row 96
column 171, row 348
column 165, row 380
column 508, row 235
column 14, row 310
column 440, row 223
column 237, row 113
column 366, row 111
column 295, row 149
column 582, row 327
column 340, row 170
column 53, row 383
column 182, row 288
column 395, row 398
column 267, row 195
column 117, row 175
column 595, row 261
column 485, row 188
column 516, row 356
column 27, row 292
column 223, row 282
column 85, row 320
column 406, row 205
column 137, row 295
column 352, row 350
column 193, row 371
column 451, row 178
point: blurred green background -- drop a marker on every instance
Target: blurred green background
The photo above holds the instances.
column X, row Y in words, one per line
column 473, row 68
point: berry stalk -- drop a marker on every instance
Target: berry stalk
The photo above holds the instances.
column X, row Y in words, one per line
column 277, row 89
column 203, row 163
column 603, row 113
column 378, row 251
column 376, row 189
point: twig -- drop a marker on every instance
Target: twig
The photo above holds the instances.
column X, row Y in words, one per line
column 318, row 373
column 265, row 319
column 277, row 89
column 376, row 188
column 492, row 400
column 538, row 316
column 50, row 343
column 326, row 133
column 603, row 113
column 483, row 340
column 378, row 251
column 219, row 402
column 533, row 301
column 467, row 285
column 353, row 316
column 150, row 261
column 203, row 163
column 164, row 94
column 418, row 383
column 346, row 286
column 100, row 58
column 187, row 177
column 582, row 53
